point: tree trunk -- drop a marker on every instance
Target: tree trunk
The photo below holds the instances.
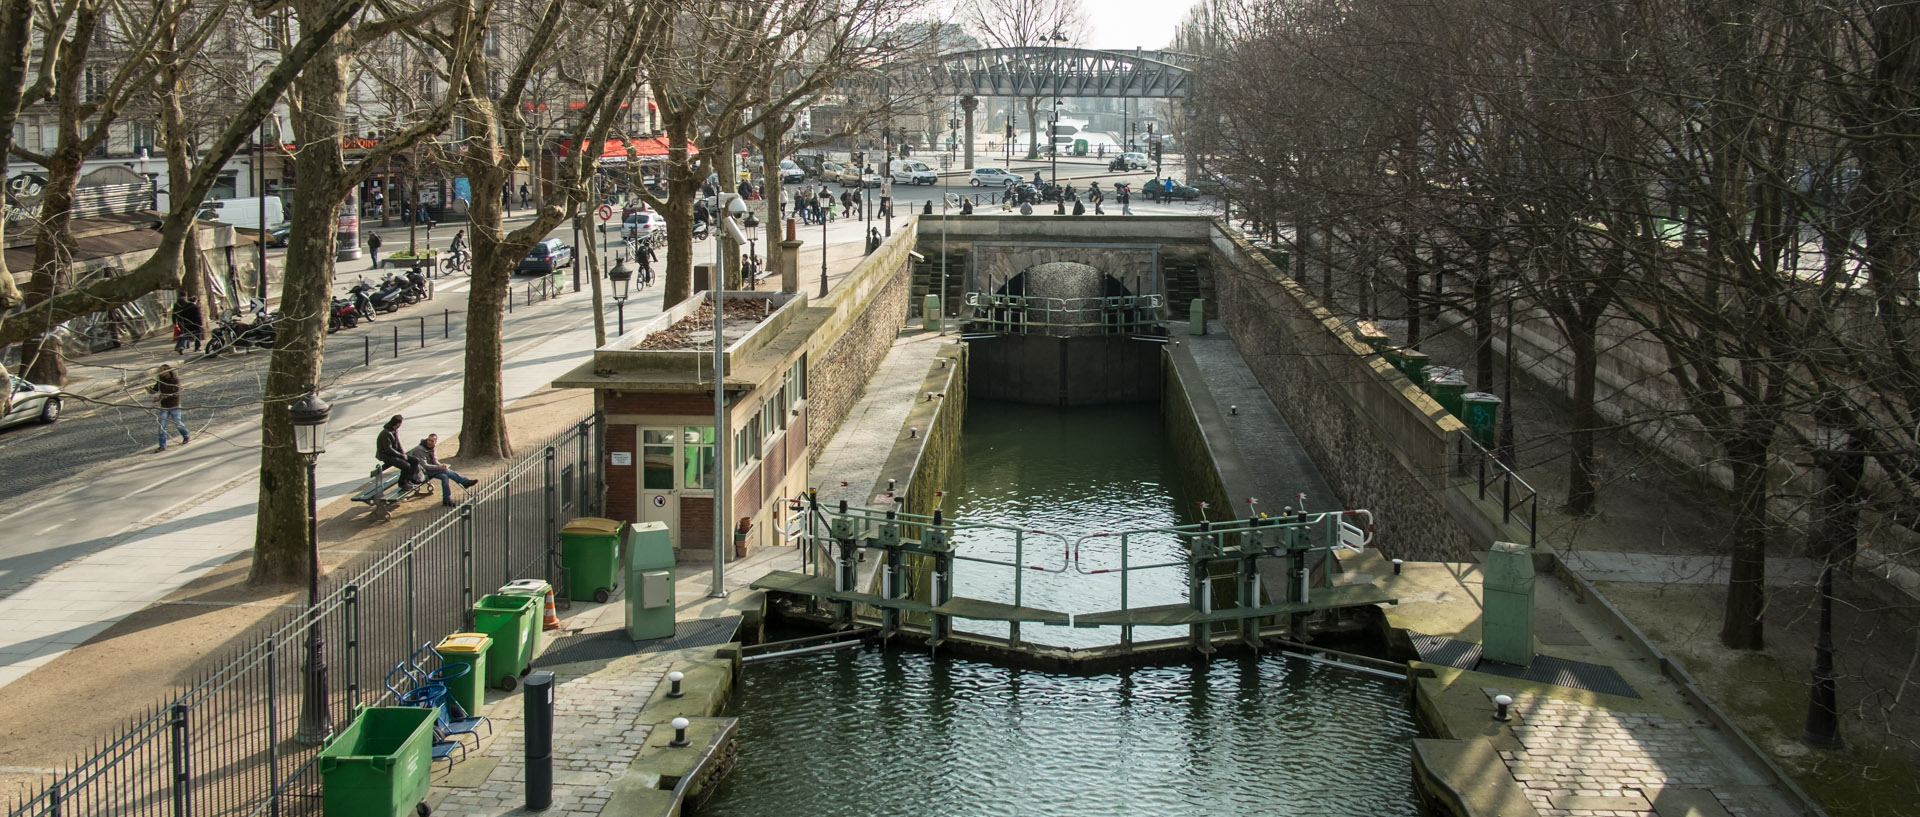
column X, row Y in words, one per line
column 1583, row 487
column 280, row 529
column 1482, row 307
column 1743, row 624
column 681, row 188
column 483, row 411
column 1033, row 129
column 44, row 358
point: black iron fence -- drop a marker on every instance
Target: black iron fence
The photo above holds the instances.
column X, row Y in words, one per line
column 229, row 745
column 1493, row 477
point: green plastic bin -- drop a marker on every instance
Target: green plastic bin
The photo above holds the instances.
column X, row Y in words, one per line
column 1447, row 385
column 590, row 551
column 469, row 649
column 380, row 764
column 536, row 625
column 507, row 619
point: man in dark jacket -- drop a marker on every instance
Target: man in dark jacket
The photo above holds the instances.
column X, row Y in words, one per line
column 429, row 459
column 389, row 452
column 186, row 318
column 166, row 394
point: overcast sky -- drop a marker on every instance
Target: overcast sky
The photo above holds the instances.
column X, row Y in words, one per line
column 1126, row 24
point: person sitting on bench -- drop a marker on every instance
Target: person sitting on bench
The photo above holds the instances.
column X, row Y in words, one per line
column 424, row 453
column 387, row 449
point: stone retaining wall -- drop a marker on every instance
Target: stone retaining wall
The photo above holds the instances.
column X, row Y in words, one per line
column 1381, row 442
column 870, row 306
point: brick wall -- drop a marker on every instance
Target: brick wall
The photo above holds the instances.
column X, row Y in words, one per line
column 622, row 480
column 620, row 402
column 696, row 523
column 1379, row 440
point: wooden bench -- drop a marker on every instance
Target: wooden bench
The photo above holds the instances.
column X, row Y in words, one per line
column 384, row 493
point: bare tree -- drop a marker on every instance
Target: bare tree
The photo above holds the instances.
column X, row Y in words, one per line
column 1027, row 24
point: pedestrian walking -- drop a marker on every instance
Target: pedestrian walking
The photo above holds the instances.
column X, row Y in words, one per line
column 1126, row 200
column 886, row 197
column 373, row 248
column 186, row 325
column 526, row 196
column 166, row 394
column 435, row 469
column 846, row 202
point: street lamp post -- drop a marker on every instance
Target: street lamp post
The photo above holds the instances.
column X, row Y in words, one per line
column 752, row 225
column 309, row 415
column 823, row 256
column 621, row 276
column 1823, row 710
column 1053, row 144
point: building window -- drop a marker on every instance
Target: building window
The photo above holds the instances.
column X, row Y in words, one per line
column 697, row 465
column 144, row 136
column 656, row 460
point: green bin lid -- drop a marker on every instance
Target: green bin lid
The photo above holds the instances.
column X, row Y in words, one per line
column 593, row 525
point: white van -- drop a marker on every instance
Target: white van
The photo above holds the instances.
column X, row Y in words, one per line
column 244, row 213
column 911, row 171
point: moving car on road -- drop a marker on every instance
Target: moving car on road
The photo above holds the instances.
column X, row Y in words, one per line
column 1135, row 160
column 545, row 257
column 911, row 171
column 835, row 172
column 1168, row 190
column 992, row 177
column 31, row 403
column 790, row 172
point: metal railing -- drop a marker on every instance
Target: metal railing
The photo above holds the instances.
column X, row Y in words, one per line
column 226, row 746
column 1029, row 314
column 1518, row 500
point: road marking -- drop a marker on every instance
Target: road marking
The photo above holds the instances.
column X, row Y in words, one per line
column 49, row 529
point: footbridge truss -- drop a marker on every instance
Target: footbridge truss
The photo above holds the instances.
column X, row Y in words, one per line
column 1064, row 72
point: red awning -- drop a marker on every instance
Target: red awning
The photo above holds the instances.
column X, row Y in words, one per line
column 614, row 151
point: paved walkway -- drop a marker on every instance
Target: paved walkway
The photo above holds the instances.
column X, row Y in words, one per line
column 1580, row 760
column 140, row 532
column 850, row 464
column 1272, row 464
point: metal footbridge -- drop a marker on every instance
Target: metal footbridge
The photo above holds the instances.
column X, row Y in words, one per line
column 919, row 557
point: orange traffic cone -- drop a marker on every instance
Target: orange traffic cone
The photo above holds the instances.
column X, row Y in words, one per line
column 553, row 617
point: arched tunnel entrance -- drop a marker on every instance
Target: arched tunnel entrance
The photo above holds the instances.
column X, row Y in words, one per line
column 1063, row 333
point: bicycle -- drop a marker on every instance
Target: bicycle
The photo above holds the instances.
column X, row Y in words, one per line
column 459, row 263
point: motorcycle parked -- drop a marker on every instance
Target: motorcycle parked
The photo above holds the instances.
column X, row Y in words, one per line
column 234, row 331
column 345, row 313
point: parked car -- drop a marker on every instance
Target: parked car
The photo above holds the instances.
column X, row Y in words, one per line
column 1135, row 160
column 545, row 257
column 992, row 177
column 278, row 237
column 32, row 403
column 790, row 172
column 835, row 172
column 643, row 224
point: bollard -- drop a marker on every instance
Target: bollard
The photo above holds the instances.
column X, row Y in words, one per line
column 538, row 700
column 674, row 678
column 396, row 341
column 680, row 733
column 423, row 331
column 366, row 343
column 1500, row 704
column 446, row 326
column 1396, row 566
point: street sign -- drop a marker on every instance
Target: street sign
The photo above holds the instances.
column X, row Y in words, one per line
column 606, row 212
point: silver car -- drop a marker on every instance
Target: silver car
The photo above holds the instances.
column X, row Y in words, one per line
column 32, row 403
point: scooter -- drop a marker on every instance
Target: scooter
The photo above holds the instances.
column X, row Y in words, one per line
column 417, row 284
column 345, row 313
column 701, row 230
column 1118, row 165
column 235, row 332
column 384, row 298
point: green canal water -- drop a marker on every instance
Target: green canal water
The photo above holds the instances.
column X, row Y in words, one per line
column 878, row 734
column 1069, row 473
column 875, row 733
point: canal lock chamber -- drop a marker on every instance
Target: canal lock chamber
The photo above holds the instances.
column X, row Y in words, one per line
column 990, row 721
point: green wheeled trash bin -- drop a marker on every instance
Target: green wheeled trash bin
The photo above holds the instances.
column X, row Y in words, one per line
column 506, row 619
column 650, row 604
column 470, row 690
column 380, row 765
column 541, row 592
column 590, row 551
column 1481, row 413
column 1447, row 385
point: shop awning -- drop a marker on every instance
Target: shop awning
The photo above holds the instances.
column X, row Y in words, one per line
column 650, row 148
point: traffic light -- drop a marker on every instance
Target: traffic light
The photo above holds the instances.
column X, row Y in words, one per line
column 1155, row 147
column 1009, row 127
column 953, row 124
column 1149, row 128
